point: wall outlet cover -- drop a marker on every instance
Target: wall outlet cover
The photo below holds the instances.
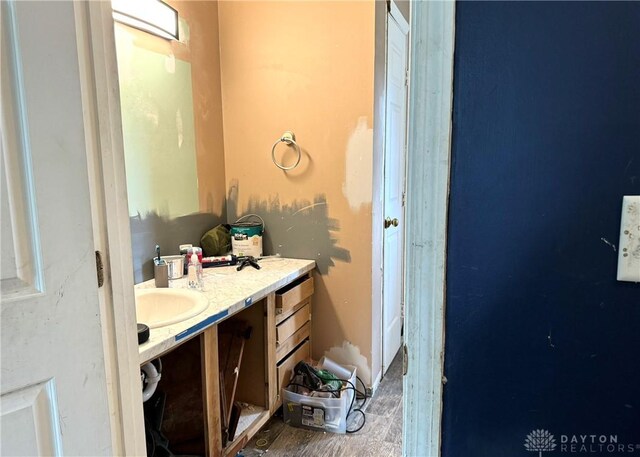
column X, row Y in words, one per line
column 629, row 250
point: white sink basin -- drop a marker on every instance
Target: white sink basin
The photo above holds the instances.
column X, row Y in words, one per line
column 160, row 307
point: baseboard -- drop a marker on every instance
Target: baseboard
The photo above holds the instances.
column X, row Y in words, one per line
column 372, row 390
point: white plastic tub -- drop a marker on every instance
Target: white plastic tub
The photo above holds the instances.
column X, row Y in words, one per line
column 317, row 413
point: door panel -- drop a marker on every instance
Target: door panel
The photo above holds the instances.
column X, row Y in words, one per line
column 53, row 394
column 21, row 272
column 30, row 421
column 394, row 179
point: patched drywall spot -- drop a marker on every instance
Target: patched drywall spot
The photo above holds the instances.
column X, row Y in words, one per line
column 300, row 229
column 170, row 63
column 357, row 186
column 184, row 31
column 179, row 128
column 153, row 116
column 349, row 354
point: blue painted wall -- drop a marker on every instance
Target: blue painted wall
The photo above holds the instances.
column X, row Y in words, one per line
column 546, row 141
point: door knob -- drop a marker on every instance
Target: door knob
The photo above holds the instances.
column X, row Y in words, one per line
column 388, row 222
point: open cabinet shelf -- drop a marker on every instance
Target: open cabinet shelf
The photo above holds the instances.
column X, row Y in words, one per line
column 202, row 379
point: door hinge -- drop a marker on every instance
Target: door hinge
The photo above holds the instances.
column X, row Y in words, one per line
column 100, row 269
column 406, row 78
column 405, row 359
column 404, row 195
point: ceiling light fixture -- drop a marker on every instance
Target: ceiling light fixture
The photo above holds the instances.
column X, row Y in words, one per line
column 152, row 16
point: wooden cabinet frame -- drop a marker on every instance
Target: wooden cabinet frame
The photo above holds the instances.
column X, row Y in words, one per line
column 264, row 317
column 211, row 383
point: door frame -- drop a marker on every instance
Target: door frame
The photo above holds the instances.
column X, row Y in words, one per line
column 396, row 15
column 428, row 160
column 429, row 125
column 110, row 217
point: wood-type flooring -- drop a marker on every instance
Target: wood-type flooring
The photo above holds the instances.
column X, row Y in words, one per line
column 381, row 435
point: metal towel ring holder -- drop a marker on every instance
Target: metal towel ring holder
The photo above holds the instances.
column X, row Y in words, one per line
column 290, row 138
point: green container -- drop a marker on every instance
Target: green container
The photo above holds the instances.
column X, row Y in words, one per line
column 246, row 238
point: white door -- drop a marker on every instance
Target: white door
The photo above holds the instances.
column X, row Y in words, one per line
column 394, row 182
column 53, row 393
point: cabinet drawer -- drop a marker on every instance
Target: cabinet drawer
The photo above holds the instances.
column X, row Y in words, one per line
column 287, row 328
column 289, row 296
column 286, row 365
column 294, row 340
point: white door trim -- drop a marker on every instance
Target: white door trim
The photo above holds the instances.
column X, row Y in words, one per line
column 430, row 104
column 110, row 214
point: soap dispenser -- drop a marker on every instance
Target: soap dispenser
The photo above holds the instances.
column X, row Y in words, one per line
column 194, row 273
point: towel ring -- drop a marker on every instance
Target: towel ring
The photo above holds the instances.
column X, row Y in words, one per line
column 290, row 138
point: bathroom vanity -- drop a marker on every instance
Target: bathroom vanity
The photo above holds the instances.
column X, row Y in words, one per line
column 275, row 303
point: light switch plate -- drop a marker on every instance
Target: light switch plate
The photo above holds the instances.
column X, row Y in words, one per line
column 629, row 250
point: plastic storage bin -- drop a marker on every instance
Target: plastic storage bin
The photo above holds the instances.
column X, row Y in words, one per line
column 317, row 413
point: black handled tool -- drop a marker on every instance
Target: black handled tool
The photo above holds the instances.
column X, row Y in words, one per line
column 249, row 260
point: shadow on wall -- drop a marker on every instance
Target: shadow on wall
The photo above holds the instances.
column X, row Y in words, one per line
column 169, row 233
column 301, row 229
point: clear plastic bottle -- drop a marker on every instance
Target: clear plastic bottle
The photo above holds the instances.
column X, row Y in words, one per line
column 194, row 273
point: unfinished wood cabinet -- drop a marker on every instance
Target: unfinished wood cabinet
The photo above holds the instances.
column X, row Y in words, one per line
column 272, row 352
column 252, row 389
column 293, row 330
column 280, row 337
column 293, row 295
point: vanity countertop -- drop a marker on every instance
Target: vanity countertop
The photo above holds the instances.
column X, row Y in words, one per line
column 228, row 291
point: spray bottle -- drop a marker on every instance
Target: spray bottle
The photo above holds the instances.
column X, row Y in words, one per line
column 194, row 273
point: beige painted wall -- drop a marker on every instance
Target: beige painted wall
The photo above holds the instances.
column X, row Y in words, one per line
column 307, row 67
